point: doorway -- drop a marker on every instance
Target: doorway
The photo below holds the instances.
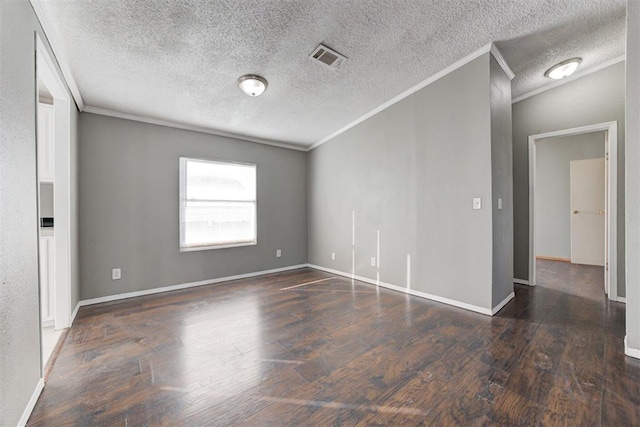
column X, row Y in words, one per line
column 609, row 130
column 53, row 135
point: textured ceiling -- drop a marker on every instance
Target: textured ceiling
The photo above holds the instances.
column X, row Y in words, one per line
column 179, row 60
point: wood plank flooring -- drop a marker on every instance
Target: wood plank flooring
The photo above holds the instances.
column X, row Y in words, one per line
column 337, row 352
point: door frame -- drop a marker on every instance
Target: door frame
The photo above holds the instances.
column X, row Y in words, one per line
column 47, row 72
column 611, row 164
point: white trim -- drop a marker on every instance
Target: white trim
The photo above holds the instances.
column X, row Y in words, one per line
column 569, row 79
column 598, row 127
column 502, row 303
column 623, row 300
column 169, row 288
column 31, row 404
column 49, row 75
column 631, row 352
column 532, row 212
column 50, row 35
column 200, row 129
column 521, row 281
column 484, row 49
column 425, row 295
column 611, row 148
column 74, row 314
column 503, row 63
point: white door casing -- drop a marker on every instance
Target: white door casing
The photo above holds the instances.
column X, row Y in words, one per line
column 45, row 143
column 47, row 73
column 47, row 279
column 611, row 210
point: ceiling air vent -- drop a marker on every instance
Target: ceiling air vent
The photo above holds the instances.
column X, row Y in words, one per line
column 327, row 57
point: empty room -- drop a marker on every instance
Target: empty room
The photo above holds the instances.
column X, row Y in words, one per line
column 275, row 212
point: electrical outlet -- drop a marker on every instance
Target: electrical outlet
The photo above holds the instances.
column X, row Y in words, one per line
column 477, row 203
column 333, row 256
column 278, row 253
column 373, row 261
column 116, row 274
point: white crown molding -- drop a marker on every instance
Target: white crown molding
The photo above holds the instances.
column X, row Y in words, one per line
column 484, row 49
column 176, row 125
column 127, row 295
column 424, row 295
column 574, row 77
column 503, row 63
column 50, row 35
column 31, row 403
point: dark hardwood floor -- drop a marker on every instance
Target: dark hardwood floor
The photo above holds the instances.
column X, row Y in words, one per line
column 335, row 352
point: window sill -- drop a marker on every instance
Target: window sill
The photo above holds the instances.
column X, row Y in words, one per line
column 224, row 246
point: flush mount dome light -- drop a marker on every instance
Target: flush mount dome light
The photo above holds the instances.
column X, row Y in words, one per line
column 563, row 69
column 252, row 85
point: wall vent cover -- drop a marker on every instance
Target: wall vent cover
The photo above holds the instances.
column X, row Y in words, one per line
column 327, row 57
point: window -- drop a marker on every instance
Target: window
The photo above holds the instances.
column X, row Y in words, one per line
column 217, row 204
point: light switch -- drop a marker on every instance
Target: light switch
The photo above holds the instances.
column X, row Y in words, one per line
column 333, row 256
column 499, row 203
column 278, row 253
column 116, row 274
column 477, row 203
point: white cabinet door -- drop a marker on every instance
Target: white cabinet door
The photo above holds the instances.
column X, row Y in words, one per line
column 47, row 279
column 45, row 142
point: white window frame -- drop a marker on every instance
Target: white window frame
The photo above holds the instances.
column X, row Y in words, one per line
column 182, row 205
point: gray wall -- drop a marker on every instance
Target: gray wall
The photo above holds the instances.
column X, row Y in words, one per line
column 501, row 184
column 453, row 256
column 19, row 312
column 633, row 175
column 129, row 206
column 595, row 98
column 553, row 220
column 411, row 172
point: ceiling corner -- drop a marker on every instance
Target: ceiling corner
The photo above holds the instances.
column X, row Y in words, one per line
column 50, row 36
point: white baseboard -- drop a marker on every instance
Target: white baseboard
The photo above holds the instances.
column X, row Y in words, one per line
column 31, row 404
column 169, row 288
column 631, row 352
column 436, row 298
column 502, row 303
column 622, row 300
column 74, row 314
column 521, row 281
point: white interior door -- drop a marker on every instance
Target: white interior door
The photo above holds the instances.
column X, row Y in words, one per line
column 588, row 217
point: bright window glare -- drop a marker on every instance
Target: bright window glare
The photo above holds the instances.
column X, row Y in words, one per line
column 217, row 204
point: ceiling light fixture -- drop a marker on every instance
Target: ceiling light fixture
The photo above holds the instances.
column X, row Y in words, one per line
column 252, row 85
column 563, row 69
